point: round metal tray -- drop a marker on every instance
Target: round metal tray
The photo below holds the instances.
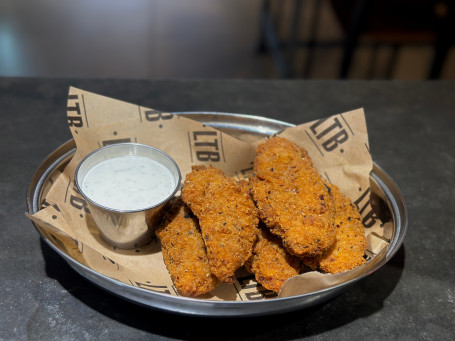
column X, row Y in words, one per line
column 386, row 199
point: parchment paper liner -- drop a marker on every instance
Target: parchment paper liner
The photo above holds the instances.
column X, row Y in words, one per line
column 338, row 146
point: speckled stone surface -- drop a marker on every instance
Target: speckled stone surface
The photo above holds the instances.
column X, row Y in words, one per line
column 411, row 128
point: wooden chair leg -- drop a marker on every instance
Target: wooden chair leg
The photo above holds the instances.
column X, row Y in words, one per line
column 352, row 36
column 444, row 41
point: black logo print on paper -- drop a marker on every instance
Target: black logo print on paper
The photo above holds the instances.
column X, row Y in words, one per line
column 74, row 111
column 365, row 209
column 154, row 116
column 252, row 290
column 206, row 146
column 328, row 134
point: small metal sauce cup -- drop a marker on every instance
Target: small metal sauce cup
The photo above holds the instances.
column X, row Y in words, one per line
column 126, row 229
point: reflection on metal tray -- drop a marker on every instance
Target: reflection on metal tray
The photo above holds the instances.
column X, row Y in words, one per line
column 386, row 199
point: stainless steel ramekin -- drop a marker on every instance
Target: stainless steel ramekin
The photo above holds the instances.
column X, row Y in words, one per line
column 126, row 229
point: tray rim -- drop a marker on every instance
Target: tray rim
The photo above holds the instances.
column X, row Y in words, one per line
column 213, row 307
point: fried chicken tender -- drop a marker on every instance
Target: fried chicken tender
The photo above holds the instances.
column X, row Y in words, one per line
column 270, row 263
column 184, row 252
column 349, row 249
column 291, row 198
column 227, row 218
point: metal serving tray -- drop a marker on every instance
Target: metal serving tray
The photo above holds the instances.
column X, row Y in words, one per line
column 387, row 201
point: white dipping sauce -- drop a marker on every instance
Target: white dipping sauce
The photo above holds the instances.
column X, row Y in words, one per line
column 128, row 182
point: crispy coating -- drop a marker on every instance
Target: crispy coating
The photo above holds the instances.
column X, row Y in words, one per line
column 348, row 251
column 227, row 218
column 291, row 198
column 270, row 263
column 245, row 185
column 184, row 252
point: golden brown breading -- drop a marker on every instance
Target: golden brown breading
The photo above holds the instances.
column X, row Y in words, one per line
column 227, row 218
column 270, row 263
column 184, row 252
column 348, row 251
column 291, row 197
column 245, row 185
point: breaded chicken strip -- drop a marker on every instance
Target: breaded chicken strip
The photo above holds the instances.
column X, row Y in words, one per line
column 184, row 252
column 270, row 263
column 349, row 249
column 227, row 217
column 291, row 197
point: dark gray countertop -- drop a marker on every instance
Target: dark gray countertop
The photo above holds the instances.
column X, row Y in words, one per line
column 411, row 127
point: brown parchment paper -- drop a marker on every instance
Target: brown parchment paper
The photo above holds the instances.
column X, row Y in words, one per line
column 337, row 144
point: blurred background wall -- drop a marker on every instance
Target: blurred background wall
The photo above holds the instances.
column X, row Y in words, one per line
column 310, row 39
